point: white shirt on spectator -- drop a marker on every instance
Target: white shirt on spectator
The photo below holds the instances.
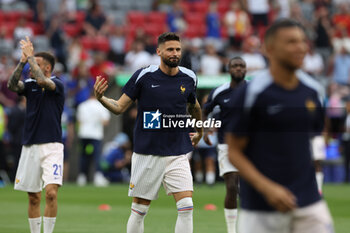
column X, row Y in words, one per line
column 258, row 6
column 313, row 63
column 210, row 65
column 135, row 61
column 91, row 116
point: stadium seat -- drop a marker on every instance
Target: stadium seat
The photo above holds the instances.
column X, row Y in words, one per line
column 80, row 16
column 71, row 30
column 12, row 16
column 195, row 18
column 193, row 31
column 200, row 7
column 155, row 29
column 136, row 18
column 156, row 18
column 38, row 28
column 87, row 42
column 101, row 43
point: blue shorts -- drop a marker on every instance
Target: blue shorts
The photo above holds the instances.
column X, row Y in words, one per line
column 203, row 153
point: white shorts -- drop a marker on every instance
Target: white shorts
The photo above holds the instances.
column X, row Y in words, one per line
column 314, row 218
column 39, row 165
column 225, row 166
column 318, row 145
column 148, row 172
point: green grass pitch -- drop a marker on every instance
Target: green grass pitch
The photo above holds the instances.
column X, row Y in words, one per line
column 78, row 210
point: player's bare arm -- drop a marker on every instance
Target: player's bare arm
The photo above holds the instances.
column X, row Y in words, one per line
column 276, row 195
column 116, row 106
column 196, row 113
column 36, row 70
column 14, row 83
column 39, row 76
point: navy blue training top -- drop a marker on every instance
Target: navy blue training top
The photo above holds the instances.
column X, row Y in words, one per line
column 221, row 96
column 169, row 95
column 43, row 112
column 278, row 124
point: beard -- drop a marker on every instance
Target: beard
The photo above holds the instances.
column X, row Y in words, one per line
column 174, row 63
column 237, row 79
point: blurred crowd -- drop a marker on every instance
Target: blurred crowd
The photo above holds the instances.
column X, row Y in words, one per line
column 108, row 37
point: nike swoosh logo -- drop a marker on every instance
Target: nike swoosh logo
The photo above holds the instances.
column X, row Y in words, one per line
column 34, row 89
column 274, row 109
column 153, row 86
column 226, row 100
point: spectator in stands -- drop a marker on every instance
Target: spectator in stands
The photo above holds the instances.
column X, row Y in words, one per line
column 137, row 57
column 259, row 10
column 57, row 39
column 102, row 66
column 211, row 63
column 7, row 97
column 76, row 54
column 6, row 44
column 323, row 33
column 67, row 122
column 237, row 24
column 175, row 18
column 213, row 22
column 116, row 160
column 95, row 22
column 91, row 117
column 341, row 64
column 252, row 55
column 81, row 84
column 313, row 62
column 16, row 117
column 21, row 31
column 117, row 44
column 191, row 57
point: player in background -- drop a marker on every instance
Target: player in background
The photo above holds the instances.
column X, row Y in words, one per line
column 270, row 140
column 41, row 161
column 160, row 155
column 318, row 146
column 221, row 96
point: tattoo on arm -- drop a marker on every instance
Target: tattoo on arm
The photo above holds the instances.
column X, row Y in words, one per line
column 113, row 102
column 14, row 84
column 195, row 111
column 39, row 75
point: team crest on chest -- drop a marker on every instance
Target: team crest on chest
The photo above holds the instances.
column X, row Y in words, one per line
column 310, row 105
column 182, row 89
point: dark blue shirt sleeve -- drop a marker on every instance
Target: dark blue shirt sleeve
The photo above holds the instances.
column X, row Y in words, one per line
column 210, row 104
column 131, row 88
column 192, row 96
column 59, row 86
column 238, row 117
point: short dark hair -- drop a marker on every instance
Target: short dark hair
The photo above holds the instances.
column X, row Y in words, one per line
column 167, row 36
column 47, row 57
column 235, row 58
column 279, row 24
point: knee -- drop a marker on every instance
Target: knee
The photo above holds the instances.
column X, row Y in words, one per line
column 51, row 195
column 34, row 199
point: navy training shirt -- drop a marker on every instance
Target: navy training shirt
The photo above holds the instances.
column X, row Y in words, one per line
column 222, row 97
column 43, row 112
column 278, row 124
column 155, row 90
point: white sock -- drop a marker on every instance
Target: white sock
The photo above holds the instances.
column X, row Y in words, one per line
column 210, row 178
column 199, row 177
column 319, row 180
column 135, row 222
column 231, row 220
column 35, row 225
column 49, row 224
column 184, row 222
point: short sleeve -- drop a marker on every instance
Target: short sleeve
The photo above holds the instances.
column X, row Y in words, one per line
column 192, row 96
column 238, row 117
column 132, row 87
column 210, row 104
column 59, row 86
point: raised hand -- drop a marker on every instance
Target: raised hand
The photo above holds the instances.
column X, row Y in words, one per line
column 100, row 87
column 195, row 138
column 27, row 48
